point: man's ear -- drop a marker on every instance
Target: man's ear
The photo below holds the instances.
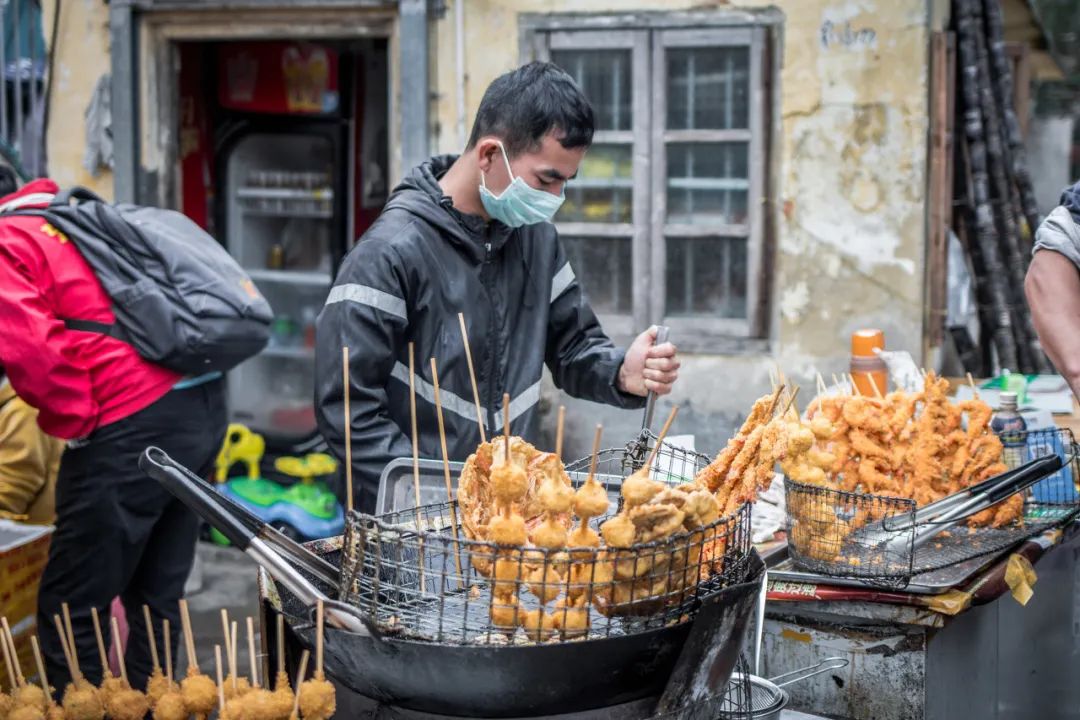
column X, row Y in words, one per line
column 487, row 152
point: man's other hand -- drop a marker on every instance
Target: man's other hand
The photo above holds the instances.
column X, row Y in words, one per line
column 648, row 366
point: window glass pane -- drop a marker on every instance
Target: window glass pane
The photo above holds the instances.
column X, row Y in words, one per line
column 708, row 88
column 706, row 276
column 604, row 76
column 602, row 266
column 603, row 191
column 708, row 183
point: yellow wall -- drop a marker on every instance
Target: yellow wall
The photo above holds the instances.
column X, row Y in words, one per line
column 848, row 190
column 81, row 57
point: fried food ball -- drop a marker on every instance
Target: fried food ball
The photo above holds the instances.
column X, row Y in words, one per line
column 109, row 686
column 199, row 692
column 82, row 701
column 282, row 700
column 259, row 704
column 701, row 509
column 504, row 612
column 571, row 618
column 55, row 712
column 508, row 573
column 5, row 704
column 507, row 530
column 26, row 712
column 583, row 536
column 156, row 686
column 236, row 687
column 170, row 706
column 509, row 483
column 545, row 583
column 31, row 696
column 317, row 699
column 618, row 531
column 128, row 704
column 654, row 522
column 639, row 488
column 590, row 500
column 549, row 534
column 538, row 625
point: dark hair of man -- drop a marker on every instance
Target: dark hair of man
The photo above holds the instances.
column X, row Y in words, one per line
column 522, row 106
column 8, row 182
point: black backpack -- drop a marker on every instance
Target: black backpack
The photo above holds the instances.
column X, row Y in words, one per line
column 179, row 298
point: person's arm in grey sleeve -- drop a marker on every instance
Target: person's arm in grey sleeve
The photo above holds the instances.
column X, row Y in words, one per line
column 366, row 312
column 582, row 359
column 1052, row 287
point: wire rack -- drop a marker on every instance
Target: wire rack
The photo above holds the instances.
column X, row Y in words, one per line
column 418, row 578
column 829, row 530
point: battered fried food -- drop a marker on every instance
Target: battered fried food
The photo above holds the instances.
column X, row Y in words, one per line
column 618, row 531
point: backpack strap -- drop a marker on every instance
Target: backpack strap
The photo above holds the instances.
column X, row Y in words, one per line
column 110, row 329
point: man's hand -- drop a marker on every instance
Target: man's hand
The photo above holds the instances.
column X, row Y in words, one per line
column 648, row 366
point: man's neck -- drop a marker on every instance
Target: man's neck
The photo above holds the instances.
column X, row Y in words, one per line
column 461, row 185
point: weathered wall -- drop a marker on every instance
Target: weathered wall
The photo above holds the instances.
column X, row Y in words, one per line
column 848, row 190
column 81, row 57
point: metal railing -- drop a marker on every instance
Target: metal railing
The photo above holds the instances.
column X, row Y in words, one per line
column 23, row 99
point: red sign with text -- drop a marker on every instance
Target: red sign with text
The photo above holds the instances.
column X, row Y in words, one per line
column 278, row 77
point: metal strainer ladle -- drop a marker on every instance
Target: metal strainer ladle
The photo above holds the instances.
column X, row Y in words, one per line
column 767, row 698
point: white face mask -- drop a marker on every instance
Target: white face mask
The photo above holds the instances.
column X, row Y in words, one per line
column 519, row 204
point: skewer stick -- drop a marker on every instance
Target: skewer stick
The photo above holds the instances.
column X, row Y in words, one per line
column 877, row 390
column 416, row 463
column 319, row 619
column 854, row 388
column 104, row 655
column 560, row 423
column 506, row 426
column 12, row 681
column 280, row 644
column 150, row 637
column 662, row 435
column 220, row 680
column 446, row 470
column 70, row 636
column 971, row 382
column 299, row 679
column 348, row 429
column 775, row 399
column 119, row 650
column 595, row 451
column 9, row 645
column 772, row 379
column 189, row 640
column 251, row 652
column 226, row 634
column 42, row 677
column 233, row 672
column 63, row 646
column 168, row 650
column 791, row 401
column 472, row 377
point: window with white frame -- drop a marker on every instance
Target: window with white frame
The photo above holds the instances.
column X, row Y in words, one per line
column 664, row 221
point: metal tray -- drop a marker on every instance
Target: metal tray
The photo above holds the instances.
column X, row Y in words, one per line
column 935, row 582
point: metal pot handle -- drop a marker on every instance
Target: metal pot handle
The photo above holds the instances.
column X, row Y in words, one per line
column 833, row 663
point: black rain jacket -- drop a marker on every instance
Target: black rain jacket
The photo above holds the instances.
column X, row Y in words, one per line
column 412, row 272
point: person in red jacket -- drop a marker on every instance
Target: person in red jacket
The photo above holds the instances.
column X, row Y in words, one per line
column 118, row 533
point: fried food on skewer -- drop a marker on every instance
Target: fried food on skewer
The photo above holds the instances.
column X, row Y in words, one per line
column 283, row 697
column 199, row 692
column 109, row 684
column 128, row 703
column 317, row 696
column 53, row 711
column 157, row 684
column 24, row 695
column 170, row 706
column 81, row 699
column 235, row 684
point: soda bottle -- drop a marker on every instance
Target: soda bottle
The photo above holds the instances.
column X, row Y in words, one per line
column 1011, row 429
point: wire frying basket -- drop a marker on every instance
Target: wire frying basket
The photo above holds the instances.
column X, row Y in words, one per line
column 417, row 575
column 884, row 541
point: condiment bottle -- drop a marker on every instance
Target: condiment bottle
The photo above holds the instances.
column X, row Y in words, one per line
column 867, row 367
column 1011, row 429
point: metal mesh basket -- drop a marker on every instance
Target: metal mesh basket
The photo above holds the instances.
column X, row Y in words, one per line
column 419, row 579
column 734, row 702
column 829, row 530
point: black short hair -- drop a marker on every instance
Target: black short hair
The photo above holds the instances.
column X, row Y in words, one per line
column 522, row 106
column 9, row 183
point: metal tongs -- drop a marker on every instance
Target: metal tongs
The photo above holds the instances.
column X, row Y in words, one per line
column 259, row 541
column 947, row 512
column 639, row 449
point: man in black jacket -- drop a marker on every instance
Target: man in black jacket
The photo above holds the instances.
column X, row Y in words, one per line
column 472, row 234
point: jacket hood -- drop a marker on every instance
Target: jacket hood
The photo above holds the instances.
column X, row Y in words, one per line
column 1070, row 200
column 420, row 194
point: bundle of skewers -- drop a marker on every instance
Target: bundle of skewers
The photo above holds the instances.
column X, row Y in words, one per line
column 196, row 696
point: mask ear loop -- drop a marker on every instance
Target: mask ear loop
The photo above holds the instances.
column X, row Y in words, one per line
column 506, row 159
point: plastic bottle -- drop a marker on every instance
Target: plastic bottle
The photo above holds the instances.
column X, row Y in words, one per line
column 867, row 367
column 1011, row 429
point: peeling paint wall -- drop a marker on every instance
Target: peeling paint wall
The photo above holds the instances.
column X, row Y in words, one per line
column 848, row 188
column 81, row 57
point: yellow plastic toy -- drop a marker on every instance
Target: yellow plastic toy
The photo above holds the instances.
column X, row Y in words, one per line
column 241, row 445
column 306, row 468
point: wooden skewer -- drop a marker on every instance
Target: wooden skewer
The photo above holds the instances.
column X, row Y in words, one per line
column 150, row 637
column 189, row 640
column 595, row 450
column 233, row 671
column 299, row 679
column 446, row 470
column 119, row 650
column 791, row 401
column 41, row 667
column 971, row 382
column 12, row 680
column 472, row 377
column 416, row 463
column 72, row 670
column 319, row 615
column 854, row 388
column 168, row 650
column 220, row 680
column 877, row 390
column 772, row 379
column 506, row 426
column 225, row 633
column 100, row 641
column 661, row 436
column 251, row 652
column 775, row 399
column 348, row 430
column 821, row 387
column 9, row 644
column 560, row 422
column 71, row 636
column 280, row 644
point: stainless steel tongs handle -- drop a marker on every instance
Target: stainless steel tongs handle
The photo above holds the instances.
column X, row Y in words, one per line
column 832, row 663
column 662, row 332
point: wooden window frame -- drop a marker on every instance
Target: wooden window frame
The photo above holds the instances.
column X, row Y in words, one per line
column 649, row 36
